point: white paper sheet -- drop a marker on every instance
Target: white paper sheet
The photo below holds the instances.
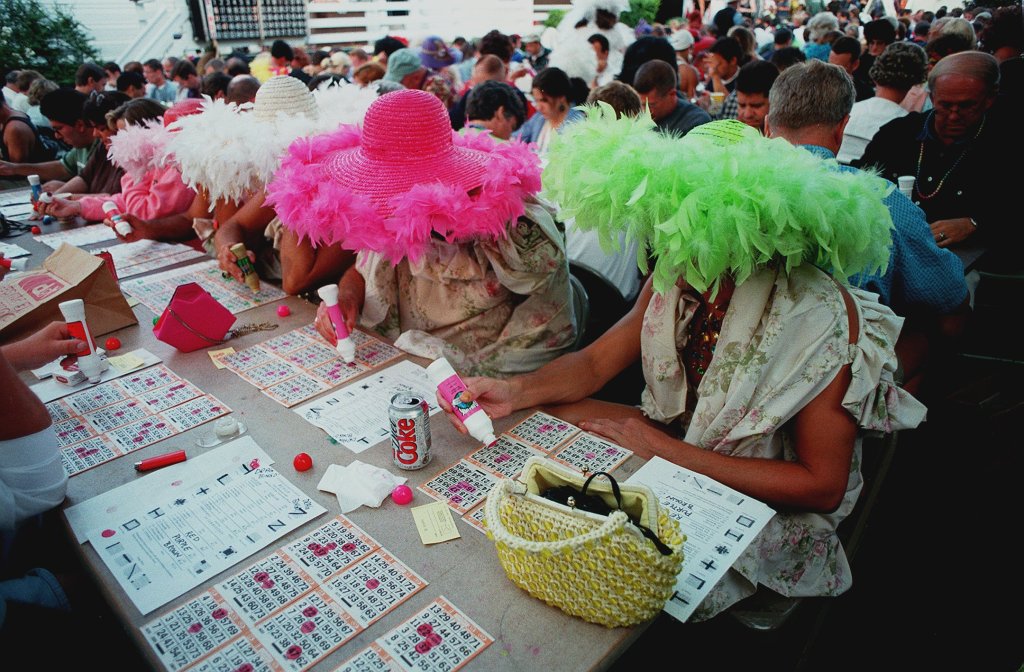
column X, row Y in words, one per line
column 719, row 523
column 136, row 498
column 356, row 416
column 12, row 251
column 190, row 534
column 83, row 235
column 146, row 255
column 50, row 389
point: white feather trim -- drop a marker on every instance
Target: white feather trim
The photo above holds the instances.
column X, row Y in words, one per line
column 343, row 104
column 139, row 148
column 575, row 56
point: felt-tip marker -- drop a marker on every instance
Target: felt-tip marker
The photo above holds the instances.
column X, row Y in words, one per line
column 160, row 461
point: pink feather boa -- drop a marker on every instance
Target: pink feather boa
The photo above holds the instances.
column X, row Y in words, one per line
column 311, row 204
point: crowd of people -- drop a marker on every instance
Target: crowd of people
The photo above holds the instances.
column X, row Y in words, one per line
column 723, row 186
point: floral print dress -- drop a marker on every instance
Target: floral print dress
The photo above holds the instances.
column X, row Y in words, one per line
column 493, row 308
column 784, row 339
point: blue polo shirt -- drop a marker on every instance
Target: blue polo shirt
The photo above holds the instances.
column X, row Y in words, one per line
column 921, row 276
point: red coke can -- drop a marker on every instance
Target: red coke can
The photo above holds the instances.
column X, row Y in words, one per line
column 409, row 416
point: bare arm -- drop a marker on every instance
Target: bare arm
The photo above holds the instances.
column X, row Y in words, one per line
column 76, row 185
column 304, row 267
column 20, row 141
column 824, row 435
column 47, row 171
column 246, row 226
column 21, row 411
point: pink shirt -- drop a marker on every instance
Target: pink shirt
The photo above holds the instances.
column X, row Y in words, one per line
column 159, row 193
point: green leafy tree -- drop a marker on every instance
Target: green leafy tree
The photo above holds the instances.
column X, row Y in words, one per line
column 640, row 9
column 47, row 39
column 554, row 18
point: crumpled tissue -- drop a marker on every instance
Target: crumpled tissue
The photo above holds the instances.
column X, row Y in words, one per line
column 359, row 484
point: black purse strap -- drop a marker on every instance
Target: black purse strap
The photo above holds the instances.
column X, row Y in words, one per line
column 646, row 531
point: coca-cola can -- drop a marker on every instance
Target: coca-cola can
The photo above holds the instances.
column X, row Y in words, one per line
column 409, row 415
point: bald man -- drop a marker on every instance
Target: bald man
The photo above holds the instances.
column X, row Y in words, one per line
column 957, row 152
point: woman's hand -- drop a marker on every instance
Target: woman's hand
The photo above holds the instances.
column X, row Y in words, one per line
column 493, row 395
column 228, row 262
column 62, row 208
column 324, row 326
column 640, row 435
column 138, row 232
column 42, row 347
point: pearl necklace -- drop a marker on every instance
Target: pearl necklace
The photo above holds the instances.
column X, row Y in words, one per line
column 920, row 160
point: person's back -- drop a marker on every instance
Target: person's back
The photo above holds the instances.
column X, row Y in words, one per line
column 809, row 103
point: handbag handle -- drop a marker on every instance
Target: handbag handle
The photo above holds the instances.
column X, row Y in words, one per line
column 646, row 531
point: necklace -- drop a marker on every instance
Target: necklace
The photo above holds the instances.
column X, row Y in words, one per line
column 920, row 160
column 704, row 329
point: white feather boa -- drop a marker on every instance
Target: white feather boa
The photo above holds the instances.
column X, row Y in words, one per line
column 230, row 154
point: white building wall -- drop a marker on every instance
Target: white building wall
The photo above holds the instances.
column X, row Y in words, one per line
column 134, row 31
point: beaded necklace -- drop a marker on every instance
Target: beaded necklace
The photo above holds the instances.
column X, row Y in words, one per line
column 920, row 160
column 704, row 329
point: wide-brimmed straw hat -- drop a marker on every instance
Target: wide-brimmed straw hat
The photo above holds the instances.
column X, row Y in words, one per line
column 402, row 178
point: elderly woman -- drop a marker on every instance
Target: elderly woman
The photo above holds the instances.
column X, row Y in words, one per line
column 454, row 255
column 763, row 370
column 819, row 28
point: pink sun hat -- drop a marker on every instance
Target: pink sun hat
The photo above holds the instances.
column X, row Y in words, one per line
column 405, row 176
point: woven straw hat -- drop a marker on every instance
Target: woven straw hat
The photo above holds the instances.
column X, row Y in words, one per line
column 402, row 179
column 283, row 94
column 406, row 140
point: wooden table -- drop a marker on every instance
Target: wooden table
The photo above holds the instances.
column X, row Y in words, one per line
column 528, row 634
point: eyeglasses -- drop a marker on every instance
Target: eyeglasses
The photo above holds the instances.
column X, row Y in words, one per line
column 97, row 97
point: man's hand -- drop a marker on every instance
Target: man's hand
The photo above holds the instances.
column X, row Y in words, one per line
column 952, row 231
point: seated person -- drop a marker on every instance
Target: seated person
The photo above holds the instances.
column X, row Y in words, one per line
column 99, row 175
column 150, row 187
column 63, row 108
column 19, row 138
column 494, row 106
column 454, row 255
column 953, row 150
column 762, row 370
column 232, row 181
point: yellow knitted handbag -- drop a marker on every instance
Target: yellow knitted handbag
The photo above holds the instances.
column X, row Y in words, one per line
column 600, row 568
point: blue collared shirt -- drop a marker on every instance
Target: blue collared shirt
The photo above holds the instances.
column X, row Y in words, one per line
column 921, row 276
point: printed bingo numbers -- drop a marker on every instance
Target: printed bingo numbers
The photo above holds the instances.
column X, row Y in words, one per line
column 438, row 638
column 465, row 485
column 114, row 418
column 289, row 610
column 297, row 366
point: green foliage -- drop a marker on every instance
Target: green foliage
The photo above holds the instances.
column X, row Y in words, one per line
column 554, row 18
column 47, row 39
column 640, row 9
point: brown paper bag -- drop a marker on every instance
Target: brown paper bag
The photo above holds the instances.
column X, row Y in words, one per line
column 30, row 302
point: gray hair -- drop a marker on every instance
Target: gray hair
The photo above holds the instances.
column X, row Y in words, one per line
column 974, row 64
column 821, row 23
column 953, row 25
column 814, row 93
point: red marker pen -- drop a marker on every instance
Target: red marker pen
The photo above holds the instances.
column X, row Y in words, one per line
column 160, row 461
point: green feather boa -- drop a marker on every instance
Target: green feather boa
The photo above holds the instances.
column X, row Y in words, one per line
column 705, row 210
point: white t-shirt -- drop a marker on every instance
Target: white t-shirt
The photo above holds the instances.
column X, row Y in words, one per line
column 32, row 477
column 619, row 268
column 866, row 118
